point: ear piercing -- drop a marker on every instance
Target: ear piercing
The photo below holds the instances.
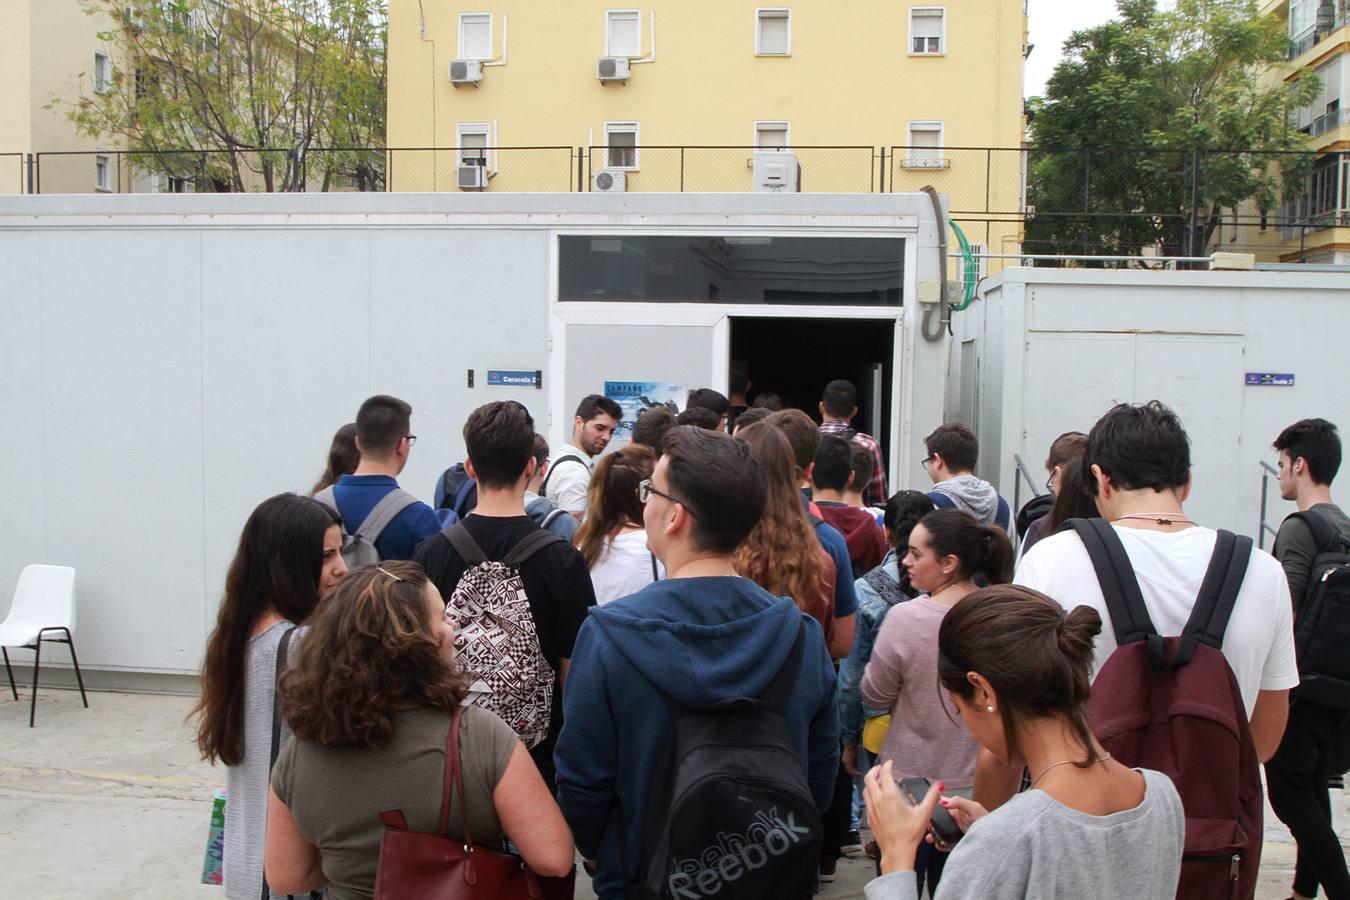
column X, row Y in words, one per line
column 988, row 709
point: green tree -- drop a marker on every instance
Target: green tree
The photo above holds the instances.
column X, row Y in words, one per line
column 240, row 93
column 1157, row 121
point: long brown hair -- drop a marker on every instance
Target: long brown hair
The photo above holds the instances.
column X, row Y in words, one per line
column 1034, row 656
column 782, row 554
column 371, row 647
column 1072, row 500
column 612, row 500
column 276, row 567
column 343, row 457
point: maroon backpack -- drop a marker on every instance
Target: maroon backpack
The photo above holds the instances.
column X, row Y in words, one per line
column 1172, row 704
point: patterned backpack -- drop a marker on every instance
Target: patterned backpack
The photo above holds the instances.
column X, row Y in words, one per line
column 495, row 636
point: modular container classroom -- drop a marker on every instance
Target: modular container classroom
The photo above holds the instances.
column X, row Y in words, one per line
column 167, row 362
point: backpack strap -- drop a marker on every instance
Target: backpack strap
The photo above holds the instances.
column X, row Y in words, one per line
column 458, row 506
column 551, row 517
column 283, row 646
column 656, row 574
column 1324, row 536
column 553, row 467
column 384, row 512
column 779, row 691
column 1218, row 594
column 328, row 497
column 1120, row 589
column 529, row 545
column 462, row 542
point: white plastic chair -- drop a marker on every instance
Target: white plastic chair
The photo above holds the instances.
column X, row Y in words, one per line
column 44, row 601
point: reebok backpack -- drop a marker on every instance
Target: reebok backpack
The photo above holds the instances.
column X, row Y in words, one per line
column 495, row 636
column 730, row 813
column 358, row 548
column 1172, row 704
column 1322, row 619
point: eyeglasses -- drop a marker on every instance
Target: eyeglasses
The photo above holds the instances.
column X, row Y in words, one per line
column 926, row 460
column 410, row 438
column 646, row 489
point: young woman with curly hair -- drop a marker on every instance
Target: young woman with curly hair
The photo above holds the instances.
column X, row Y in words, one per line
column 612, row 539
column 782, row 554
column 371, row 698
column 289, row 556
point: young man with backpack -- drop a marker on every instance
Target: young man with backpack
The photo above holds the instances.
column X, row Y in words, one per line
column 953, row 451
column 569, row 476
column 707, row 658
column 537, row 507
column 1195, row 660
column 379, row 519
column 517, row 594
column 1313, row 545
column 838, row 407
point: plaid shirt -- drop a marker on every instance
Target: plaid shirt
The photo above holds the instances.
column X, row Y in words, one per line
column 875, row 492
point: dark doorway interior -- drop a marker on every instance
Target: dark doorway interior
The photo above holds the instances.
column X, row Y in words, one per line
column 796, row 358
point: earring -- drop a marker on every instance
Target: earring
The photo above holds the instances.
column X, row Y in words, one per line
column 988, row 709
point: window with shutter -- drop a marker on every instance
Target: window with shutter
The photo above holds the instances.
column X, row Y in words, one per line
column 773, row 32
column 925, row 31
column 925, row 145
column 624, row 32
column 475, row 36
column 622, row 138
column 771, row 135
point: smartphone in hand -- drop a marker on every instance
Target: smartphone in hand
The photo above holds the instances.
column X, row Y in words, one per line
column 945, row 830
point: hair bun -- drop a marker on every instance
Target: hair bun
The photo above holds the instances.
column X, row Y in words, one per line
column 1077, row 631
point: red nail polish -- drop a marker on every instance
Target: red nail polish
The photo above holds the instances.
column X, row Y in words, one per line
column 942, row 786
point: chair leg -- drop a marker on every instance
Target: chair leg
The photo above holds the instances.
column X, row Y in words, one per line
column 70, row 639
column 10, row 672
column 37, row 660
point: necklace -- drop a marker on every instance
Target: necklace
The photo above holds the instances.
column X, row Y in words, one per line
column 1160, row 518
column 1062, row 762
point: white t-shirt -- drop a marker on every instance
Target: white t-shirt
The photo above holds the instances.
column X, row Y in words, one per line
column 1170, row 566
column 566, row 481
column 625, row 567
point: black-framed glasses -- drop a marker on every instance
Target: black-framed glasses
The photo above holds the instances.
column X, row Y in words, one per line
column 410, row 438
column 1050, row 483
column 926, row 460
column 646, row 489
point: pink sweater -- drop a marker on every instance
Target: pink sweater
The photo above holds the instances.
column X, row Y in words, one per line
column 902, row 676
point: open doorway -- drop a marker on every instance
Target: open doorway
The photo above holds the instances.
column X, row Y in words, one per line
column 796, row 358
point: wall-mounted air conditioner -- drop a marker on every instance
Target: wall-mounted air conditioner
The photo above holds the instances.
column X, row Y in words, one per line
column 473, row 177
column 466, row 71
column 777, row 172
column 609, row 181
column 612, row 68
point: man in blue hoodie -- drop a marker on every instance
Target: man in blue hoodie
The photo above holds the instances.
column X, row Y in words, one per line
column 701, row 635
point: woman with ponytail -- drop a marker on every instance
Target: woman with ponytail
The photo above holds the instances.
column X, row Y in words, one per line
column 289, row 556
column 947, row 551
column 1015, row 667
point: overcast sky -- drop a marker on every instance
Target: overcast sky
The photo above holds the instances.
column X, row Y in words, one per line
column 1052, row 21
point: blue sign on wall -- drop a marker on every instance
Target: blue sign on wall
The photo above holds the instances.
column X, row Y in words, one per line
column 503, row 378
column 1270, row 379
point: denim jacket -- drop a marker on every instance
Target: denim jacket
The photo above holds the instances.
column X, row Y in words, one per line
column 872, row 609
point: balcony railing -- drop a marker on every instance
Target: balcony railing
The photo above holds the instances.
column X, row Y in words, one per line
column 1324, row 123
column 1301, row 43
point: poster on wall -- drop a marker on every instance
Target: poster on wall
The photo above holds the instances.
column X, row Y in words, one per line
column 634, row 396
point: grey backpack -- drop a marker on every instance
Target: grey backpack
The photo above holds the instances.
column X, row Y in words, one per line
column 358, row 549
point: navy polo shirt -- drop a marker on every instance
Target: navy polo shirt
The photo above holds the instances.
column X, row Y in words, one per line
column 357, row 495
column 832, row 539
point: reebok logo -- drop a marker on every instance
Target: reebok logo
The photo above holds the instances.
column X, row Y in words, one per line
column 733, row 856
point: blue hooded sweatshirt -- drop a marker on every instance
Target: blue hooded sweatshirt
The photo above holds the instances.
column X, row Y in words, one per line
column 700, row 640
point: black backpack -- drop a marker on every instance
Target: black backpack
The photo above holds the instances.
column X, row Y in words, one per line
column 730, row 813
column 456, row 491
column 1322, row 619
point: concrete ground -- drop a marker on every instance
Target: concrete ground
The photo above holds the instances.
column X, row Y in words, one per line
column 112, row 802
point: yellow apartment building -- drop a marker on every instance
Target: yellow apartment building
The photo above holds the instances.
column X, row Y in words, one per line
column 698, row 95
column 50, row 48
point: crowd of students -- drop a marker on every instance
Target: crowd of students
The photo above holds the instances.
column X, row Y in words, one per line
column 704, row 659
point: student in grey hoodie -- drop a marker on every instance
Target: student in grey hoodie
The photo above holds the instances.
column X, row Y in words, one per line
column 952, row 451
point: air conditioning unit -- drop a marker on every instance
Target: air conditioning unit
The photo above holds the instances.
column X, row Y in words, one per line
column 777, row 172
column 609, row 181
column 612, row 68
column 473, row 177
column 466, row 71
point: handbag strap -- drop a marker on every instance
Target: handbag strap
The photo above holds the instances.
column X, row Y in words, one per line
column 282, row 647
column 454, row 779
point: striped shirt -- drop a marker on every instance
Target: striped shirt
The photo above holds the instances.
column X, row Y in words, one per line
column 875, row 492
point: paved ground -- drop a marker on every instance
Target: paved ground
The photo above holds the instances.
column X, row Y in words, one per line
column 112, row 802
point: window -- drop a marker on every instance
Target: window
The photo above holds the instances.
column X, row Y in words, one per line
column 771, row 135
column 623, row 32
column 473, row 141
column 773, row 32
column 1302, row 18
column 1323, row 114
column 475, row 36
column 622, row 139
column 102, row 73
column 926, row 31
column 925, row 146
column 102, row 172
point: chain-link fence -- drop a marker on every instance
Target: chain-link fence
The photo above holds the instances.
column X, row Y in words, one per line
column 733, row 169
column 526, row 169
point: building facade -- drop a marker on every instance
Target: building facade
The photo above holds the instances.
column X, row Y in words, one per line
column 698, row 95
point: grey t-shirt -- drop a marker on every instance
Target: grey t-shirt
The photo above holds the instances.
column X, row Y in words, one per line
column 336, row 795
column 1035, row 847
column 1295, row 549
column 246, row 783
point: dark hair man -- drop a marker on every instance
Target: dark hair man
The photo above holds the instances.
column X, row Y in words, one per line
column 651, row 426
column 384, row 440
column 538, row 507
column 750, row 416
column 1138, row 467
column 499, row 438
column 838, row 406
column 830, row 478
column 709, row 399
column 701, row 417
column 570, row 475
column 862, row 474
column 952, row 452
column 1310, row 456
column 701, row 636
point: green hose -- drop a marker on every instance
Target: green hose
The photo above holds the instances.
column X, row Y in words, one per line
column 969, row 268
